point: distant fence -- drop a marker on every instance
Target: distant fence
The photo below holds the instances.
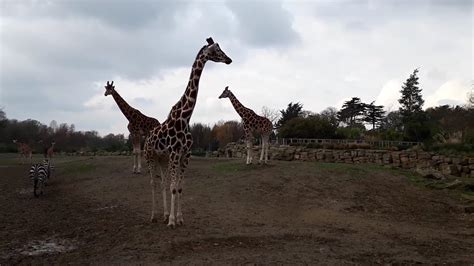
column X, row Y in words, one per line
column 379, row 143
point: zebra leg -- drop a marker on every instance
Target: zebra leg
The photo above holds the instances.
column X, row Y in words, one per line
column 35, row 186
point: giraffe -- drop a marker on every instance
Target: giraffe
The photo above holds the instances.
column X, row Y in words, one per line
column 169, row 144
column 50, row 151
column 253, row 124
column 24, row 150
column 139, row 124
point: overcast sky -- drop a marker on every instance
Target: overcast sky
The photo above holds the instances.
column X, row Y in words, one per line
column 56, row 55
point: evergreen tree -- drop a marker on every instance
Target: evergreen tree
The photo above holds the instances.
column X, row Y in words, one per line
column 293, row 110
column 411, row 101
column 374, row 114
column 351, row 112
column 415, row 121
column 3, row 116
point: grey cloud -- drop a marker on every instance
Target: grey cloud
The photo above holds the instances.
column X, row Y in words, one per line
column 124, row 14
column 367, row 14
column 140, row 101
column 263, row 23
column 51, row 53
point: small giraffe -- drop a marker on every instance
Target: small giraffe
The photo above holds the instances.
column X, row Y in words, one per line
column 253, row 124
column 50, row 152
column 24, row 150
column 170, row 143
column 139, row 124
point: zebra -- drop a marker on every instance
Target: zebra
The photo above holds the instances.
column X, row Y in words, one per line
column 40, row 173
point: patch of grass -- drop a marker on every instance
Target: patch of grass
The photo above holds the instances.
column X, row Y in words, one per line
column 78, row 167
column 468, row 196
column 13, row 159
column 236, row 166
column 352, row 169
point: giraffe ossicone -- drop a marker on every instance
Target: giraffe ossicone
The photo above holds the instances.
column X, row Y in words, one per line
column 169, row 144
column 253, row 125
column 139, row 124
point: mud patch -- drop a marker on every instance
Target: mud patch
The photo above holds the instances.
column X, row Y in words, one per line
column 106, row 208
column 47, row 246
column 26, row 191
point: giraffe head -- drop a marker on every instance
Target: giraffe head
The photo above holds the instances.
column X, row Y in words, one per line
column 109, row 88
column 226, row 93
column 213, row 52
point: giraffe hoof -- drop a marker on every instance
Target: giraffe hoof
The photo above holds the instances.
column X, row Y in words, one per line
column 180, row 221
column 153, row 220
column 165, row 219
column 171, row 223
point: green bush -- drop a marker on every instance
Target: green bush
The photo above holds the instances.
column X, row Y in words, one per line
column 451, row 148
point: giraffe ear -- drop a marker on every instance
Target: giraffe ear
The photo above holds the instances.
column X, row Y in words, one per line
column 210, row 41
column 226, row 88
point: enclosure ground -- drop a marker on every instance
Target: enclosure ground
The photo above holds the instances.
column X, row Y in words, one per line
column 96, row 211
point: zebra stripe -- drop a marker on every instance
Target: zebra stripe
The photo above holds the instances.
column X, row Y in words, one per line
column 39, row 174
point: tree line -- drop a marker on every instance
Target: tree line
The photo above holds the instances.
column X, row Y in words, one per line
column 354, row 120
column 440, row 124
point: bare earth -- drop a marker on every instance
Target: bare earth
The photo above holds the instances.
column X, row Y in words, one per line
column 96, row 211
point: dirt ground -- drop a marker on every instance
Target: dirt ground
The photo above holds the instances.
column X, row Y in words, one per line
column 96, row 211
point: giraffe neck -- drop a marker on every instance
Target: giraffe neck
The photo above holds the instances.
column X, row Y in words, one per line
column 126, row 109
column 22, row 147
column 185, row 106
column 237, row 105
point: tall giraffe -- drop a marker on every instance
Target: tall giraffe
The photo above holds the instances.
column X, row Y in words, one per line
column 139, row 124
column 24, row 150
column 253, row 125
column 170, row 143
column 50, row 151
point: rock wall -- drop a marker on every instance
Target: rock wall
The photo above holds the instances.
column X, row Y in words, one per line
column 98, row 153
column 460, row 166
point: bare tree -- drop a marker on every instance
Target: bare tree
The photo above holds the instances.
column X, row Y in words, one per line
column 272, row 114
column 470, row 97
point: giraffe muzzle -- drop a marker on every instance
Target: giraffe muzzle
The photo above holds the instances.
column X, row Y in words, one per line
column 228, row 61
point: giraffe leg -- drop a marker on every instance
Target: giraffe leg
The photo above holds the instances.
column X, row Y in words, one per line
column 184, row 165
column 153, row 188
column 266, row 149
column 262, row 150
column 134, row 161
column 150, row 161
column 249, row 151
column 166, row 213
column 139, row 155
column 265, row 144
column 135, row 152
column 173, row 171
